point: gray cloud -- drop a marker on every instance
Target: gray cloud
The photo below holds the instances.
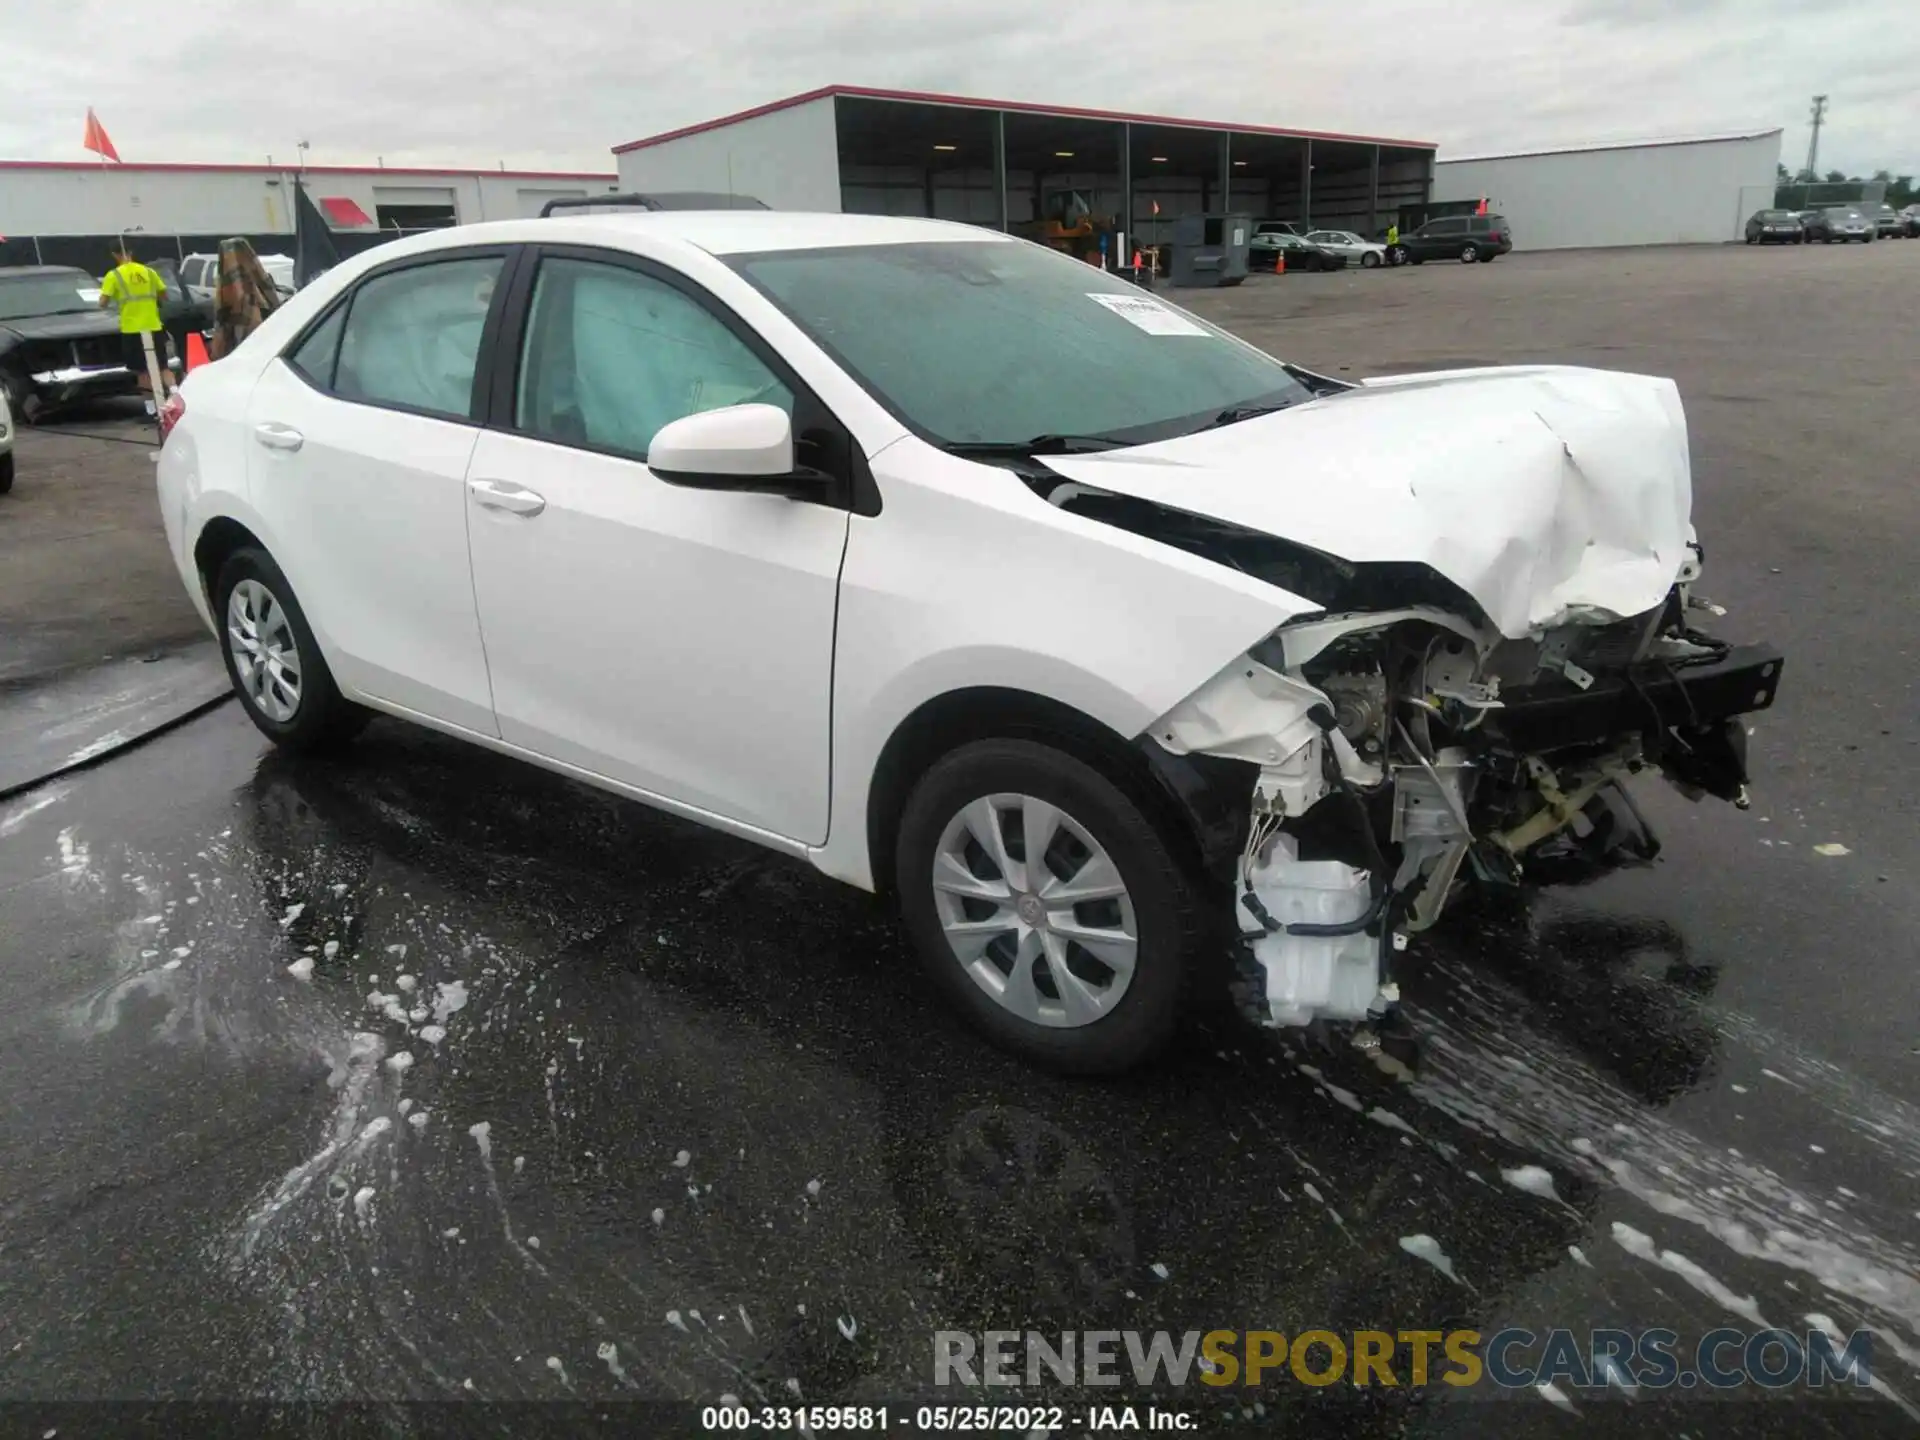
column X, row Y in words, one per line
column 558, row 83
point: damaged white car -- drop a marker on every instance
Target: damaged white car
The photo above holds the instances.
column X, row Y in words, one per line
column 1116, row 649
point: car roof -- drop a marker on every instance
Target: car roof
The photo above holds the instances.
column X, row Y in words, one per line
column 718, row 232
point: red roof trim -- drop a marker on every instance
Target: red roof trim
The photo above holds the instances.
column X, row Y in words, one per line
column 413, row 170
column 1075, row 112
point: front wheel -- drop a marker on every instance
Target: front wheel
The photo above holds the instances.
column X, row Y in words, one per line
column 1369, row 261
column 1047, row 906
column 1469, row 253
column 274, row 661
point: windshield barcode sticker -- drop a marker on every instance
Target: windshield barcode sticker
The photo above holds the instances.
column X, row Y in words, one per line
column 1149, row 315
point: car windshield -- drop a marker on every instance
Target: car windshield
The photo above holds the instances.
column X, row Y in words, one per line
column 991, row 343
column 28, row 296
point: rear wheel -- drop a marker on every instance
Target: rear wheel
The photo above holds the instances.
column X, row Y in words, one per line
column 1046, row 905
column 6, row 472
column 274, row 661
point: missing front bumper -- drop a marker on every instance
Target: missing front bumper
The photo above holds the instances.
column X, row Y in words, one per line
column 1648, row 697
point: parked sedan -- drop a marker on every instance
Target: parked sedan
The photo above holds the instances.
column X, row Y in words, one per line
column 1167, row 643
column 1298, row 252
column 1350, row 247
column 1838, row 222
column 1775, row 227
column 1888, row 223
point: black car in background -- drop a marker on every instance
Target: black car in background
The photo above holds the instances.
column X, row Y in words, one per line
column 1298, row 252
column 1837, row 222
column 58, row 346
column 1466, row 238
column 1775, row 227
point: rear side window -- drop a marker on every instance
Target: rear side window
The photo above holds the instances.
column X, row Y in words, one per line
column 412, row 337
column 314, row 356
column 613, row 354
column 1445, row 227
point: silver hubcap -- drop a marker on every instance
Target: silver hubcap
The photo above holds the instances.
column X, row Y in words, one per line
column 265, row 655
column 1035, row 910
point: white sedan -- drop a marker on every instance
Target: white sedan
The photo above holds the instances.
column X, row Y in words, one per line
column 1365, row 253
column 1118, row 651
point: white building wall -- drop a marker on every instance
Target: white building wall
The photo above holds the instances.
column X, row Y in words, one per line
column 1681, row 193
column 788, row 159
column 100, row 200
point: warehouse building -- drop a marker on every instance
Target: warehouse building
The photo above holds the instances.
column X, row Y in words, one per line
column 1698, row 190
column 56, row 212
column 1011, row 165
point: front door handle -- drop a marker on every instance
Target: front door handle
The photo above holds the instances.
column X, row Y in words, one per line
column 278, row 437
column 514, row 499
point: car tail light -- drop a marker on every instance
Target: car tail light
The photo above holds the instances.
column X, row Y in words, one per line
column 172, row 410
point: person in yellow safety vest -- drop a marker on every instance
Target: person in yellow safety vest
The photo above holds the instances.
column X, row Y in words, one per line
column 137, row 289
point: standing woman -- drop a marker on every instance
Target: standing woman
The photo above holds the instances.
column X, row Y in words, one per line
column 246, row 297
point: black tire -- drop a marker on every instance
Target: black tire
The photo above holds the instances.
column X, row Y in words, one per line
column 1369, row 260
column 6, row 473
column 1165, row 902
column 1469, row 253
column 323, row 719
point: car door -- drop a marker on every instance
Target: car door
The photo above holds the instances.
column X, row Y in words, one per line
column 1437, row 238
column 361, row 432
column 676, row 640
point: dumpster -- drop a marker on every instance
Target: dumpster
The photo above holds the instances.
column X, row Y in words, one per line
column 1210, row 250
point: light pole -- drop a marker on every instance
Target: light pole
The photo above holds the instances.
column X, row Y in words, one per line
column 1813, row 145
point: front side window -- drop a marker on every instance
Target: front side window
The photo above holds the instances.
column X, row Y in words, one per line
column 985, row 342
column 412, row 337
column 612, row 355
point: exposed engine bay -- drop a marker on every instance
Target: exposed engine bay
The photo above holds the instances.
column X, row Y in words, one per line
column 1395, row 756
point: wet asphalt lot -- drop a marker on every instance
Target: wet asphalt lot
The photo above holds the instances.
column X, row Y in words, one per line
column 583, row 1104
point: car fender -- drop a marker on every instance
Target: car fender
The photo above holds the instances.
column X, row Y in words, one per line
column 970, row 579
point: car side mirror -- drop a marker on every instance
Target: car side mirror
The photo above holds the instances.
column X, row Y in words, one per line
column 737, row 447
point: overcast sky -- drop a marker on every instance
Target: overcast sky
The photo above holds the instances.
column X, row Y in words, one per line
column 556, row 84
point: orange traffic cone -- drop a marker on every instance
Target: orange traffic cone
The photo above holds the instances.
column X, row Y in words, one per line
column 1136, row 259
column 196, row 351
column 1279, row 262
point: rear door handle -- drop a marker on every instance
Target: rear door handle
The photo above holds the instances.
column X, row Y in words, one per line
column 514, row 499
column 278, row 437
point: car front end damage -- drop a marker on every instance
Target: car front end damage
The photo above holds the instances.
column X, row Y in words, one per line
column 1491, row 575
column 1389, row 758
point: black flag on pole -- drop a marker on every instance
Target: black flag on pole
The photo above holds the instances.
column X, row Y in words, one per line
column 313, row 252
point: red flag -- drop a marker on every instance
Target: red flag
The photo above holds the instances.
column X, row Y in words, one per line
column 1483, row 206
column 1156, row 207
column 96, row 138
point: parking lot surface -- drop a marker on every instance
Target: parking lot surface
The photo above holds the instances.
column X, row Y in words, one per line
column 425, row 1075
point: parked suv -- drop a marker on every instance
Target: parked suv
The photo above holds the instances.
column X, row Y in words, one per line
column 201, row 274
column 1465, row 238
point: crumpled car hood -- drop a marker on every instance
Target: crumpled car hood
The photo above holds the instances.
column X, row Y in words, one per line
column 1550, row 494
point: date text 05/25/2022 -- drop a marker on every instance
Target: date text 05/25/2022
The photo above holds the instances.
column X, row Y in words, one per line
column 942, row 1419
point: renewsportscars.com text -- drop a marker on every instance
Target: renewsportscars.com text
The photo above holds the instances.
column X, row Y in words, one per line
column 1653, row 1359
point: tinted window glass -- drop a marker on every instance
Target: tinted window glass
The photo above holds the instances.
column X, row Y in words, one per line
column 412, row 337
column 1444, row 227
column 313, row 357
column 985, row 341
column 612, row 355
